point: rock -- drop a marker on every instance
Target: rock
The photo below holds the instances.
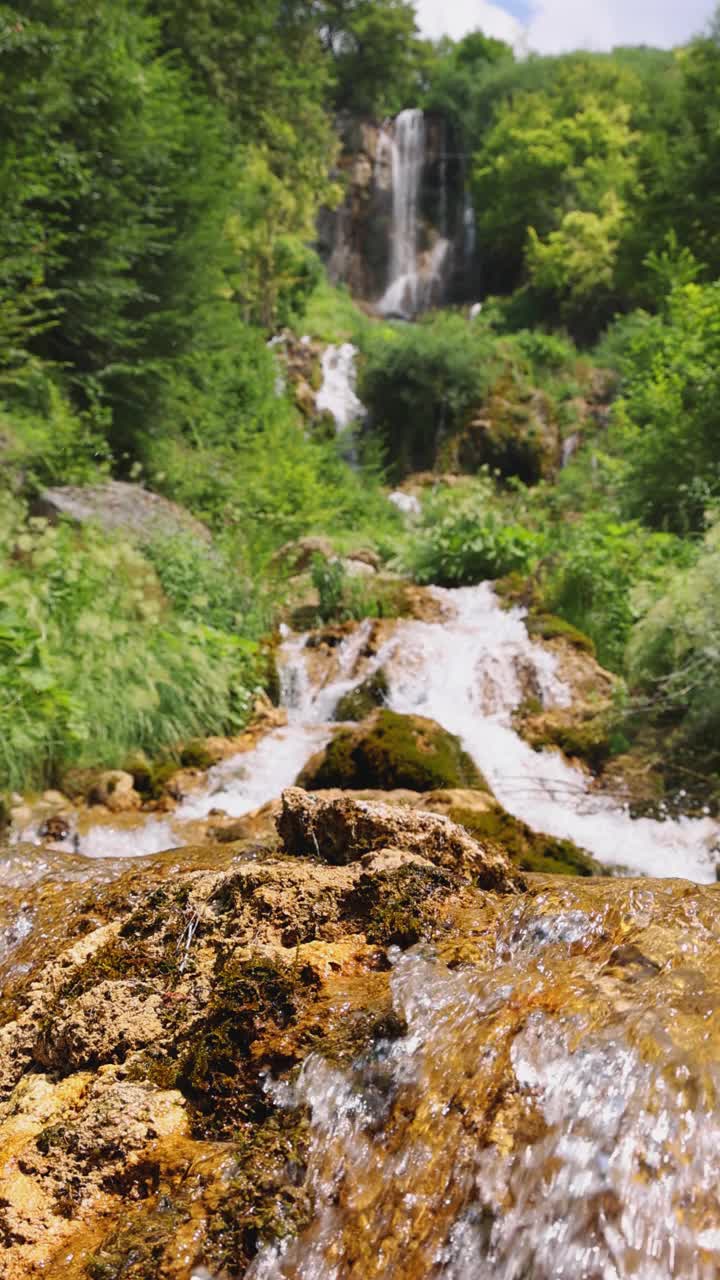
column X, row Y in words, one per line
column 389, row 751
column 297, row 557
column 361, row 701
column 343, row 831
column 357, row 568
column 115, row 789
column 118, row 506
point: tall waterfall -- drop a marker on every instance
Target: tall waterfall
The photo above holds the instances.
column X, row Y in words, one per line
column 415, row 275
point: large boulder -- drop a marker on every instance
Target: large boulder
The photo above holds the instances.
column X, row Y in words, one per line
column 390, row 751
column 117, row 506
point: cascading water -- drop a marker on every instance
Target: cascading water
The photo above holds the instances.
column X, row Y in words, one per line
column 469, row 674
column 415, row 277
column 337, row 395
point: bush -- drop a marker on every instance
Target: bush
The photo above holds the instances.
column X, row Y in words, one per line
column 419, row 383
column 673, row 658
column 668, row 420
column 463, row 540
column 603, row 574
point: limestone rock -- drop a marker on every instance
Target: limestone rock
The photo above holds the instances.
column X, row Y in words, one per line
column 343, row 831
column 117, row 505
column 388, row 751
column 115, row 789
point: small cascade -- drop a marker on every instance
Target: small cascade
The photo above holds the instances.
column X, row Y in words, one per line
column 469, row 673
column 337, row 395
column 415, row 277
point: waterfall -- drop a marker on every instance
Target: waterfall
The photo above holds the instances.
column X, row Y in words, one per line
column 415, row 276
column 337, row 394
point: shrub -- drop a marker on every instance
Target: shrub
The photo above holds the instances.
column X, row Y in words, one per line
column 419, row 383
column 604, row 573
column 465, row 539
column 673, row 657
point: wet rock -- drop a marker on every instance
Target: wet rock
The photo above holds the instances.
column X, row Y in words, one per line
column 343, row 831
column 390, row 751
column 115, row 789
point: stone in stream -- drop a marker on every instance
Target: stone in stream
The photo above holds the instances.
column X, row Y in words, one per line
column 388, row 751
column 345, row 830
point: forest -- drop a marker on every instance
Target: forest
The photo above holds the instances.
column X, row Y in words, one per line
column 162, row 170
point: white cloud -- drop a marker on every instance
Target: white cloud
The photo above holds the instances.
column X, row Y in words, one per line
column 599, row 24
column 558, row 25
column 456, row 17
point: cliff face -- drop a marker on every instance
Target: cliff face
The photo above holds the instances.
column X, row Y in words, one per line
column 405, row 213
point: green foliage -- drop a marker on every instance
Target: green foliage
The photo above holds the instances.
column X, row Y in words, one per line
column 673, row 659
column 419, row 383
column 667, row 422
column 94, row 660
column 376, row 54
column 602, row 575
column 465, row 538
column 342, row 598
column 330, row 315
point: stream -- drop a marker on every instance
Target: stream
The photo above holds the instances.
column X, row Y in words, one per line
column 468, row 673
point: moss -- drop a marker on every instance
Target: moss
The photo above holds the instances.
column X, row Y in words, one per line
column 137, row 1248
column 527, row 848
column 391, row 752
column 397, row 909
column 216, row 1071
column 195, row 755
column 267, row 1198
column 588, row 740
column 362, row 701
column 547, row 627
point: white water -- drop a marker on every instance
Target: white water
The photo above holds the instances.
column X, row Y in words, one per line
column 337, row 395
column 469, row 673
column 415, row 278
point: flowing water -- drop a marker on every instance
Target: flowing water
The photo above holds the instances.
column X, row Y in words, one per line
column 337, row 395
column 549, row 1114
column 415, row 276
column 469, row 673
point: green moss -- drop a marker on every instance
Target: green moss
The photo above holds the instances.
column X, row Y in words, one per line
column 362, row 701
column 267, row 1198
column 527, row 848
column 589, row 740
column 393, row 752
column 137, row 1248
column 215, row 1069
column 397, row 909
column 195, row 755
column 547, row 627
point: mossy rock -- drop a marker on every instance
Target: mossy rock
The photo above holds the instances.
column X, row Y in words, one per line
column 393, row 752
column 586, row 740
column 528, row 849
column 546, row 626
column 360, row 702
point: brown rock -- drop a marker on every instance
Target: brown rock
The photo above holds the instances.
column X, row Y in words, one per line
column 115, row 790
column 343, row 831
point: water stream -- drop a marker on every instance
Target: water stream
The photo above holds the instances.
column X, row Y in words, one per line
column 469, row 673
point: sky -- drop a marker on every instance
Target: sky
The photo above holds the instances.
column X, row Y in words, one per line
column 552, row 26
